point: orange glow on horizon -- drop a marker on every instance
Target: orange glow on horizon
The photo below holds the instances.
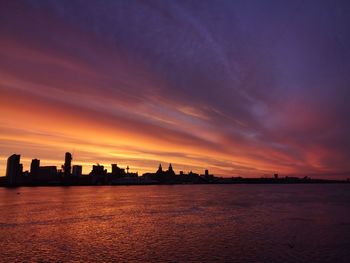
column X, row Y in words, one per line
column 107, row 106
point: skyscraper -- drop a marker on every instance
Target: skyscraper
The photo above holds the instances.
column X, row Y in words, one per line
column 13, row 169
column 67, row 164
column 35, row 167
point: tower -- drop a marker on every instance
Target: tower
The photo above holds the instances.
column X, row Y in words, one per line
column 13, row 169
column 160, row 169
column 67, row 164
column 170, row 170
column 35, row 167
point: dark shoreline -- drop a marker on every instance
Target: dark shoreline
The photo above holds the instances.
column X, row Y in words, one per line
column 219, row 181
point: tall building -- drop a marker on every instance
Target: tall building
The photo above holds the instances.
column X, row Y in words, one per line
column 35, row 167
column 67, row 164
column 13, row 169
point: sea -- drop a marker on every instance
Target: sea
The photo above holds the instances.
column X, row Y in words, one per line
column 176, row 223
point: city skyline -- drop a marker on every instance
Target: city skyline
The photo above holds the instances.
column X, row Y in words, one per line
column 71, row 174
column 243, row 88
column 66, row 168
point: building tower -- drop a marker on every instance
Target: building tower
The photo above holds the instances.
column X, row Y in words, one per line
column 160, row 169
column 35, row 167
column 170, row 170
column 13, row 169
column 67, row 164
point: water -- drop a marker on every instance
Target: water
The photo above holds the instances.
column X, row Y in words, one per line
column 184, row 223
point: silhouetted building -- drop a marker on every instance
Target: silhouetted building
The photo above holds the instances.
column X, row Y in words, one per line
column 34, row 167
column 117, row 171
column 160, row 169
column 207, row 176
column 67, row 164
column 98, row 170
column 77, row 170
column 170, row 171
column 14, row 169
column 99, row 174
column 130, row 174
column 192, row 174
column 276, row 176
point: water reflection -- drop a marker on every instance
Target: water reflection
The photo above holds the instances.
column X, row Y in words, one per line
column 193, row 223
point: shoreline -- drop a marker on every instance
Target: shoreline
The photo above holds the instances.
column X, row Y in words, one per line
column 170, row 184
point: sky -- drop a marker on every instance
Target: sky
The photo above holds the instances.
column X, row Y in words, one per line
column 242, row 88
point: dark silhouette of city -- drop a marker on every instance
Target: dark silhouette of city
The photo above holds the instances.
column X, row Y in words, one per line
column 72, row 175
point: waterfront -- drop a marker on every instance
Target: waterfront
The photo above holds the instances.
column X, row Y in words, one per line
column 180, row 223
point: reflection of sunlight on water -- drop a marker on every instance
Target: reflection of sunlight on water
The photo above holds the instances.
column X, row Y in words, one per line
column 202, row 223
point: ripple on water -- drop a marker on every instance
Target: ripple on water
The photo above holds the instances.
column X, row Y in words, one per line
column 209, row 223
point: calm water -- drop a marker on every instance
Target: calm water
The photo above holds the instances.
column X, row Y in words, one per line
column 192, row 223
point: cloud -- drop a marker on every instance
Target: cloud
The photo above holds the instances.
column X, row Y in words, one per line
column 240, row 88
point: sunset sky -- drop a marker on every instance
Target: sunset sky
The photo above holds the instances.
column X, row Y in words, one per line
column 247, row 88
